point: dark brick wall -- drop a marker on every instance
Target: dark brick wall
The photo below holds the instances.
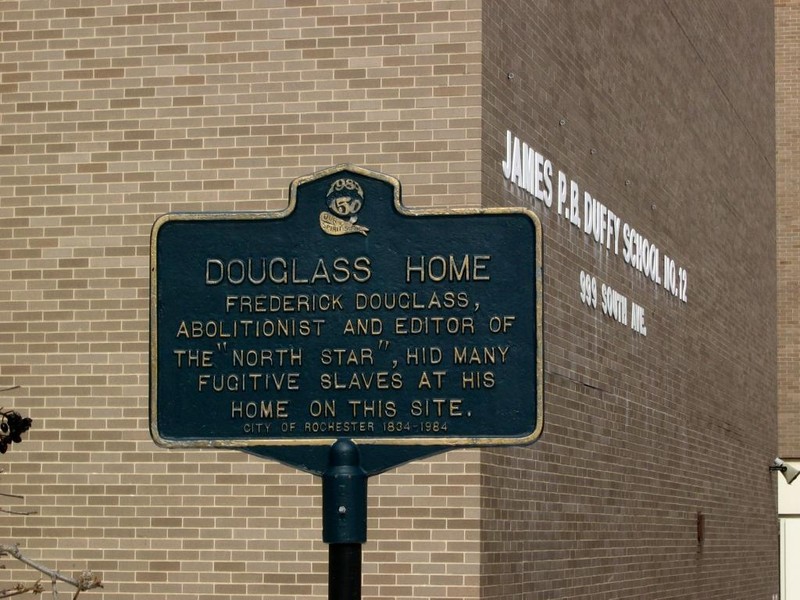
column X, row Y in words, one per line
column 663, row 111
column 787, row 125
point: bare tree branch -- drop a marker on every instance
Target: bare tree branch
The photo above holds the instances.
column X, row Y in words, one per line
column 12, row 427
column 17, row 496
column 23, row 513
column 20, row 589
column 86, row 581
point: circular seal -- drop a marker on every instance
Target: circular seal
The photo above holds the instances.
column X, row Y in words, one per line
column 345, row 198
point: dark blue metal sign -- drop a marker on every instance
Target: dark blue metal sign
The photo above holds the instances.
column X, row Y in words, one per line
column 346, row 315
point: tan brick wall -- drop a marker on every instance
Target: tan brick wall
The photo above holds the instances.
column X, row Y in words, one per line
column 112, row 113
column 787, row 116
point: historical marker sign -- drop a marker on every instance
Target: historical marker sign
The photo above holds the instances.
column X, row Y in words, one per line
column 346, row 315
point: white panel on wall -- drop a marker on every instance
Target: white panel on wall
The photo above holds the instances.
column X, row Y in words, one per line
column 790, row 558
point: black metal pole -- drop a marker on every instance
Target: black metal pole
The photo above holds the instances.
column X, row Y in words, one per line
column 344, row 572
column 344, row 519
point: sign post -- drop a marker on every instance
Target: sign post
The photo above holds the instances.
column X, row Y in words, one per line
column 346, row 334
column 344, row 520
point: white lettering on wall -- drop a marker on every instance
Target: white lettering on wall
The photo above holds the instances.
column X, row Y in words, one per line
column 529, row 170
column 533, row 173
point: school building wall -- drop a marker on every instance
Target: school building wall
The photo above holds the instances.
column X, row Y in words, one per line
column 787, row 117
column 651, row 479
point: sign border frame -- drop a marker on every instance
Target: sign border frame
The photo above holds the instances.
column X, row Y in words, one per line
column 244, row 444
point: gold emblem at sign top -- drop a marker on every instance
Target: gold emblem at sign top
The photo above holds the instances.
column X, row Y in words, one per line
column 345, row 198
